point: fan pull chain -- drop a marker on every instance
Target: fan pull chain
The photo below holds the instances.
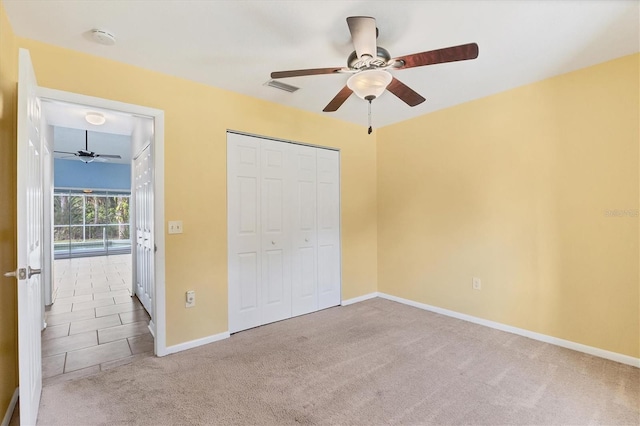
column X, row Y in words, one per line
column 370, row 129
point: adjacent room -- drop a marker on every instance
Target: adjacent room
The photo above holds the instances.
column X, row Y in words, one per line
column 442, row 227
column 92, row 313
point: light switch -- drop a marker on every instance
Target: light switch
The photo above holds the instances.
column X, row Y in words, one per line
column 175, row 227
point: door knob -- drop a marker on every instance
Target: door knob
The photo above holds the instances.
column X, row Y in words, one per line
column 21, row 274
column 33, row 272
column 306, row 240
column 273, row 242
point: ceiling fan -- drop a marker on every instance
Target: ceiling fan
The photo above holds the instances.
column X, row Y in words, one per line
column 370, row 65
column 85, row 155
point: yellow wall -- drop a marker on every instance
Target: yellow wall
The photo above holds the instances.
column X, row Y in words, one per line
column 8, row 305
column 515, row 188
column 196, row 120
column 512, row 188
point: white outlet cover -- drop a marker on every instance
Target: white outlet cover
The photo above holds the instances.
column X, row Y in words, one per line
column 190, row 299
column 476, row 283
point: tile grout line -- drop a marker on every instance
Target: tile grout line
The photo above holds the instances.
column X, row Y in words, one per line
column 129, row 343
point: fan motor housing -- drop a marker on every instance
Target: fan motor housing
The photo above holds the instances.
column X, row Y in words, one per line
column 381, row 60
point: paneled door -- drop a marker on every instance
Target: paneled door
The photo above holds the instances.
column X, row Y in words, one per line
column 143, row 199
column 244, row 231
column 304, row 231
column 275, row 201
column 30, row 235
column 283, row 212
column 328, row 228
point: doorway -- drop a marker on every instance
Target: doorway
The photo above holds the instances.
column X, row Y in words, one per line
column 82, row 283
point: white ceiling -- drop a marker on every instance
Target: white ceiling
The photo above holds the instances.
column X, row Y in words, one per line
column 236, row 44
column 64, row 114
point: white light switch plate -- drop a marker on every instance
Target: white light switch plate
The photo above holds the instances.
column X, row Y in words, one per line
column 175, row 227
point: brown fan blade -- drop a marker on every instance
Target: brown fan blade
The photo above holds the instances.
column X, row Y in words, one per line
column 405, row 93
column 363, row 34
column 300, row 73
column 448, row 54
column 338, row 100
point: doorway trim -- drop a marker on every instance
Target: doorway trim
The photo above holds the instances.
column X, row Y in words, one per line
column 160, row 342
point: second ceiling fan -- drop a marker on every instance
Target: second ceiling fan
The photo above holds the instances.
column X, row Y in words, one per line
column 87, row 156
column 370, row 65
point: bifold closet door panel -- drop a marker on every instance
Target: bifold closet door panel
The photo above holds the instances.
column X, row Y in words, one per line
column 244, row 231
column 275, row 190
column 304, row 231
column 328, row 163
column 283, row 214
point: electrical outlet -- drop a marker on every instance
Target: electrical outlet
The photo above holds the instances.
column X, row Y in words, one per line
column 476, row 283
column 190, row 299
column 175, row 227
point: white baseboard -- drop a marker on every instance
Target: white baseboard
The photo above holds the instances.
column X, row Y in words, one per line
column 195, row 343
column 613, row 356
column 359, row 299
column 12, row 406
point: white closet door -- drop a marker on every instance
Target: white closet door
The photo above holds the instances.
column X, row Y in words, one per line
column 328, row 163
column 275, row 191
column 283, row 211
column 243, row 184
column 304, row 231
column 143, row 167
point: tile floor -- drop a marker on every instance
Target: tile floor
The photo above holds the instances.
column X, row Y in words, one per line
column 94, row 324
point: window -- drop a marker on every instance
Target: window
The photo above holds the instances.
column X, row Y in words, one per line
column 90, row 224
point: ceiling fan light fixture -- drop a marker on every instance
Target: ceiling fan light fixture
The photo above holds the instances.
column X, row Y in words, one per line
column 95, row 118
column 369, row 84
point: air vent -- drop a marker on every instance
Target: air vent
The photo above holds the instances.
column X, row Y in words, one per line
column 282, row 86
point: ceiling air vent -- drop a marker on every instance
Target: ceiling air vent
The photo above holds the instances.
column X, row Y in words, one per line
column 282, row 86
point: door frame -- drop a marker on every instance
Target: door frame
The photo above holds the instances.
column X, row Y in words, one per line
column 160, row 342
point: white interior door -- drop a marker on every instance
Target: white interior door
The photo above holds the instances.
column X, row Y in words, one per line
column 275, row 200
column 244, row 229
column 304, row 239
column 328, row 228
column 29, row 233
column 143, row 199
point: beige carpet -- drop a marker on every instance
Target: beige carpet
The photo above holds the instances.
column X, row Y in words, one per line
column 372, row 363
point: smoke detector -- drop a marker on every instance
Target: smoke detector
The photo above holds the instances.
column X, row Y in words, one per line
column 103, row 37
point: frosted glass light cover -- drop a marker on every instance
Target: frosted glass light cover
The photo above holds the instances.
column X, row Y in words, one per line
column 369, row 83
column 95, row 118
